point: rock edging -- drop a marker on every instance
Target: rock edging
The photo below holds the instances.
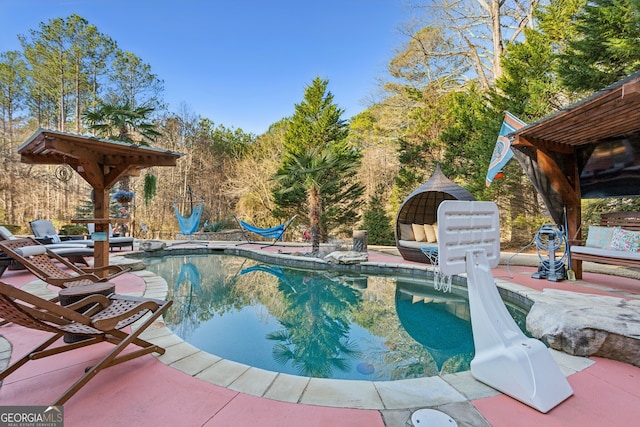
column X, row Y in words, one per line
column 587, row 325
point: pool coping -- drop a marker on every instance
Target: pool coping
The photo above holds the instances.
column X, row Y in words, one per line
column 360, row 394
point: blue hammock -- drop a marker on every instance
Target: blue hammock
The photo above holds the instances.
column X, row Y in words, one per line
column 189, row 274
column 189, row 225
column 274, row 270
column 274, row 233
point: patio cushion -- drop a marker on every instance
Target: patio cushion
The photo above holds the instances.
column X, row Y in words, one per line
column 418, row 232
column 54, row 238
column 634, row 256
column 625, row 240
column 418, row 245
column 406, row 232
column 29, row 251
column 599, row 237
column 430, row 233
column 6, row 234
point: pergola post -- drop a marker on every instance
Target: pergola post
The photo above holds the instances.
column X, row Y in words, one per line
column 99, row 162
column 574, row 219
column 610, row 114
column 101, row 210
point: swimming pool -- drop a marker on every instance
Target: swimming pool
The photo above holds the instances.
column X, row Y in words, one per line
column 317, row 323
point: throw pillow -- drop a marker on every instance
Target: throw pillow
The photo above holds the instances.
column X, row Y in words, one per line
column 6, row 234
column 54, row 238
column 625, row 240
column 600, row 237
column 406, row 232
column 430, row 233
column 418, row 232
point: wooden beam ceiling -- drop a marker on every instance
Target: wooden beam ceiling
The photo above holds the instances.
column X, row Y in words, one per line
column 612, row 112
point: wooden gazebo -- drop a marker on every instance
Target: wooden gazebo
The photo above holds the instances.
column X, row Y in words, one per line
column 553, row 146
column 100, row 162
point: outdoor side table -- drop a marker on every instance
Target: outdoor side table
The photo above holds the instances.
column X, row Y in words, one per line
column 76, row 293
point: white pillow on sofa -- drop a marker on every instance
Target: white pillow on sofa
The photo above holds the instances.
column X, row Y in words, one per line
column 599, row 236
column 430, row 233
column 625, row 240
column 418, row 232
column 406, row 232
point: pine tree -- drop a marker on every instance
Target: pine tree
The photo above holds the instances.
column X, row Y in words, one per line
column 607, row 47
column 377, row 223
column 317, row 177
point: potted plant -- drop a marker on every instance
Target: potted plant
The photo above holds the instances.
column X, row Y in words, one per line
column 123, row 196
column 150, row 188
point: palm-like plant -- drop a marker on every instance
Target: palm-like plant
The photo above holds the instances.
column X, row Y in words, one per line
column 315, row 326
column 122, row 122
column 310, row 170
column 318, row 171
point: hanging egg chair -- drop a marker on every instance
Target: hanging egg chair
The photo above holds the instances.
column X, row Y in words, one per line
column 416, row 222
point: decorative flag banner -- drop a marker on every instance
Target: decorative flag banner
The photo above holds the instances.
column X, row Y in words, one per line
column 502, row 151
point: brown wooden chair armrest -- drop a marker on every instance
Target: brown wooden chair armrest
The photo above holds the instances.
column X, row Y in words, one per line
column 113, row 268
column 48, row 307
column 118, row 270
column 110, row 323
column 60, row 282
column 101, row 300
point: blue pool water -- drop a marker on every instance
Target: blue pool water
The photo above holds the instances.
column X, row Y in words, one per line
column 323, row 324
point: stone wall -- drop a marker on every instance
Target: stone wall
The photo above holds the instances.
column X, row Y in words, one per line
column 222, row 236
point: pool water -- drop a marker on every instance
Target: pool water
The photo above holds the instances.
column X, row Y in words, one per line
column 323, row 324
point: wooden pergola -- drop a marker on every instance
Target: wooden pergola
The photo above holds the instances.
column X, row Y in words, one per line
column 613, row 112
column 100, row 162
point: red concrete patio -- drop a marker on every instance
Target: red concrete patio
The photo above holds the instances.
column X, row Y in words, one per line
column 147, row 392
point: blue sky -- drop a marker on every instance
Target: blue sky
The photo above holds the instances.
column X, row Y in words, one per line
column 241, row 63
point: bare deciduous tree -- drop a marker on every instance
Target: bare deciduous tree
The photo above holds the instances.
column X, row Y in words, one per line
column 475, row 31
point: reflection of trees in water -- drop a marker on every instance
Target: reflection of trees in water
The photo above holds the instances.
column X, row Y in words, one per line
column 315, row 309
column 189, row 322
column 439, row 321
column 216, row 294
column 404, row 357
column 315, row 328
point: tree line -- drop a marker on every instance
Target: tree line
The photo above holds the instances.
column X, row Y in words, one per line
column 463, row 63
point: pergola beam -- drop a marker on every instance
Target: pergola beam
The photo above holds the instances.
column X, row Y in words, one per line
column 613, row 112
column 101, row 163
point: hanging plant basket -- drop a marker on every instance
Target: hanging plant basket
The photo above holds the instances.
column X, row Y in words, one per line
column 123, row 196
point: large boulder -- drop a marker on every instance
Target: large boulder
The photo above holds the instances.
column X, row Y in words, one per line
column 152, row 245
column 346, row 257
column 587, row 325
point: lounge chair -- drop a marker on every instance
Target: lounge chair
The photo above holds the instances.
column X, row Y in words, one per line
column 274, row 233
column 40, row 261
column 101, row 320
column 73, row 252
column 114, row 242
column 43, row 230
column 5, row 262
